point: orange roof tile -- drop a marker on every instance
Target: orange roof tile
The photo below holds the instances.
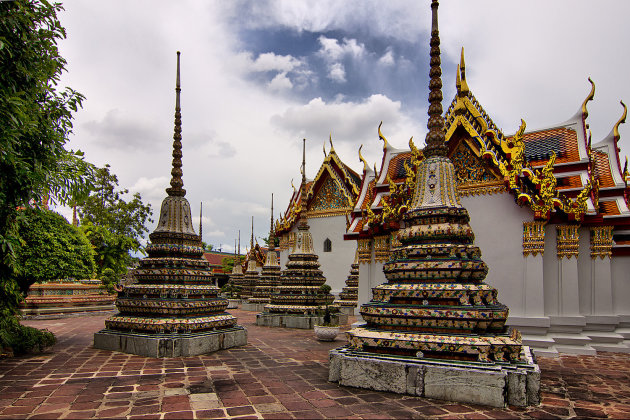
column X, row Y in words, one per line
column 608, row 208
column 568, row 182
column 396, row 167
column 601, row 168
column 540, row 144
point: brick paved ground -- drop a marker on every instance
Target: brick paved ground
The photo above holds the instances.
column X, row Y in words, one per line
column 279, row 374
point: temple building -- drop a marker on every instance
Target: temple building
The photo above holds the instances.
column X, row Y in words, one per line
column 435, row 329
column 549, row 208
column 174, row 309
column 326, row 202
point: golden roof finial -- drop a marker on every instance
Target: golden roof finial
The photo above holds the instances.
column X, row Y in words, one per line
column 590, row 97
column 625, row 169
column 621, row 120
column 382, row 137
column 324, row 149
column 365, row 164
column 176, row 181
column 375, row 173
column 303, row 162
column 294, row 190
column 461, row 75
column 332, row 148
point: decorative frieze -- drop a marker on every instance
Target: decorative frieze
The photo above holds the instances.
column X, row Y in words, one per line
column 568, row 241
column 381, row 248
column 394, row 241
column 533, row 238
column 365, row 251
column 601, row 242
column 291, row 240
column 284, row 242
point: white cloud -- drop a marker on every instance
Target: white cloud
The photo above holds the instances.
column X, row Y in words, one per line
column 332, row 50
column 280, row 82
column 337, row 72
column 387, row 59
column 272, row 62
column 121, row 130
column 349, row 121
column 151, row 188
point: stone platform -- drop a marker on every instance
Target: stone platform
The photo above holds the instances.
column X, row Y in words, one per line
column 253, row 307
column 495, row 385
column 297, row 321
column 170, row 345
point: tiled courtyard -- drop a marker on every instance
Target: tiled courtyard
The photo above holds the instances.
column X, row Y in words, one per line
column 280, row 374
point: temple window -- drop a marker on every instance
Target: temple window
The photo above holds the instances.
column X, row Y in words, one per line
column 327, row 245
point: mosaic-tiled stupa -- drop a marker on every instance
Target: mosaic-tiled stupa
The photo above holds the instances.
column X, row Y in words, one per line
column 348, row 298
column 250, row 278
column 270, row 274
column 299, row 301
column 236, row 276
column 174, row 309
column 435, row 307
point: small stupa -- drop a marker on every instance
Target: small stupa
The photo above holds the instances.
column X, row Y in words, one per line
column 435, row 329
column 349, row 296
column 236, row 277
column 270, row 274
column 174, row 309
column 250, row 278
column 299, row 300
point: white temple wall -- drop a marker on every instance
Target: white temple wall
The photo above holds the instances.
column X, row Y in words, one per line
column 585, row 272
column 620, row 268
column 551, row 271
column 498, row 226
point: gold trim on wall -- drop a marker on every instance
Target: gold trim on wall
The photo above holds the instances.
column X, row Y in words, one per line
column 568, row 241
column 601, row 242
column 533, row 238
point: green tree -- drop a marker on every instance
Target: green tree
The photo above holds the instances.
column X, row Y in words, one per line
column 207, row 247
column 35, row 122
column 51, row 249
column 227, row 263
column 113, row 225
column 112, row 249
column 106, row 207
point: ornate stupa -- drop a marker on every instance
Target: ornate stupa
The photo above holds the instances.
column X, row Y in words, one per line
column 299, row 300
column 270, row 274
column 435, row 307
column 236, row 277
column 348, row 298
column 250, row 278
column 174, row 309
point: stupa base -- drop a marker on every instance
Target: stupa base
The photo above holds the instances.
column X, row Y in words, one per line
column 305, row 322
column 492, row 384
column 170, row 345
column 253, row 306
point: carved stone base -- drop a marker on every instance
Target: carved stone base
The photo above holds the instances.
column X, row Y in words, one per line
column 493, row 384
column 304, row 322
column 170, row 345
column 253, row 306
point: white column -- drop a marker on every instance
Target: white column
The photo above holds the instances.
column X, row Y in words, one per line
column 366, row 273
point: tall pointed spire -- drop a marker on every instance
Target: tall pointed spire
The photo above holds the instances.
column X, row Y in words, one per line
column 272, row 236
column 251, row 241
column 303, row 186
column 435, row 139
column 239, row 243
column 176, row 181
column 201, row 220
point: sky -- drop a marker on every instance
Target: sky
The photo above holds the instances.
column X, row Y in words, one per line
column 258, row 76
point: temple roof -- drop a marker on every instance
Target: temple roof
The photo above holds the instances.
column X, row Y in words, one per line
column 333, row 191
column 584, row 183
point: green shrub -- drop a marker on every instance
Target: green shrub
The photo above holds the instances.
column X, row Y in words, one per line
column 17, row 339
column 110, row 279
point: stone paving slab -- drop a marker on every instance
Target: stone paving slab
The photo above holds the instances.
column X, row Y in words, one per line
column 281, row 373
